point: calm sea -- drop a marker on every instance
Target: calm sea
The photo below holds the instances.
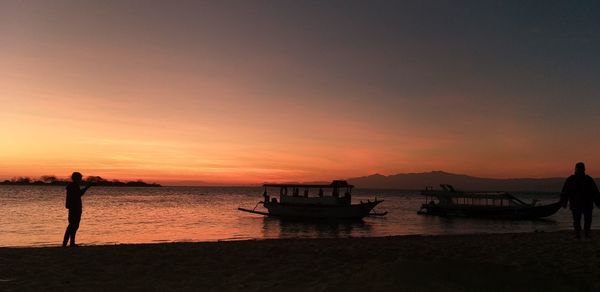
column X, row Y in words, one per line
column 35, row 216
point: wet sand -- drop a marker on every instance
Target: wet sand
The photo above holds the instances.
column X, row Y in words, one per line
column 495, row 262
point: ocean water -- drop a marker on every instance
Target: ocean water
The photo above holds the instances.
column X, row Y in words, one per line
column 36, row 216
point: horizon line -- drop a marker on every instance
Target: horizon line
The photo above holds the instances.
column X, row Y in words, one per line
column 191, row 183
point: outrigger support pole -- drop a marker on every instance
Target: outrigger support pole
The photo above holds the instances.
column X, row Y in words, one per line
column 253, row 211
column 378, row 214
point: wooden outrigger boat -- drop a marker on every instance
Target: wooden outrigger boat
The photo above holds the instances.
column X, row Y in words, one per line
column 498, row 205
column 293, row 204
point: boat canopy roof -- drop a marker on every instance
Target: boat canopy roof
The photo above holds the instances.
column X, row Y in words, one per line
column 483, row 195
column 333, row 184
column 471, row 195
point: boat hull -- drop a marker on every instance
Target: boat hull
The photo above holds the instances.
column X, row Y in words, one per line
column 355, row 211
column 512, row 213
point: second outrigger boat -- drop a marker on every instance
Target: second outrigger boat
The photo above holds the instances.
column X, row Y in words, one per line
column 498, row 205
column 293, row 204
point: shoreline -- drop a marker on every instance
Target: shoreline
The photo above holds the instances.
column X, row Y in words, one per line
column 57, row 245
column 548, row 261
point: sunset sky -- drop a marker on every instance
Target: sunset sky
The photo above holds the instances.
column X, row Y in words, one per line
column 254, row 91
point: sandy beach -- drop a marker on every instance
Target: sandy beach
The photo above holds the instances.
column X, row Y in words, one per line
column 494, row 262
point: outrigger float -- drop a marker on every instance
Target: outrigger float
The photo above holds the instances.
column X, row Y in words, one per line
column 497, row 205
column 293, row 204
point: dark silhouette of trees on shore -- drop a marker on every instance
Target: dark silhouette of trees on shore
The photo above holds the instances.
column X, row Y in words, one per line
column 51, row 180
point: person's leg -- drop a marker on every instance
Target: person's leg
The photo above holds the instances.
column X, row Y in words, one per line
column 67, row 235
column 68, row 230
column 577, row 222
column 74, row 219
column 587, row 222
column 73, row 233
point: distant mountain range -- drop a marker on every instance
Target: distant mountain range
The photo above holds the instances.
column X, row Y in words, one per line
column 418, row 181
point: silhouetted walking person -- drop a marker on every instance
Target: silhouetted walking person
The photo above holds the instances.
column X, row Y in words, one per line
column 581, row 192
column 73, row 203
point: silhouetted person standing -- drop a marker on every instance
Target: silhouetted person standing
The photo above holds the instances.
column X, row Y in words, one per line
column 581, row 192
column 73, row 203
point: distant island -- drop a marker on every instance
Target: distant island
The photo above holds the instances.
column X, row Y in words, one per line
column 418, row 181
column 51, row 180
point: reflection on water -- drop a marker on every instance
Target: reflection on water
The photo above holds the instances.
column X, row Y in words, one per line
column 284, row 228
column 492, row 225
column 35, row 215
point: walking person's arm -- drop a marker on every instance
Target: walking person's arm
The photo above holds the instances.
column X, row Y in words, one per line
column 564, row 194
column 596, row 193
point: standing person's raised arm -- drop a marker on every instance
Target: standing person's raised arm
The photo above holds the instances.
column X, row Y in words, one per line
column 86, row 188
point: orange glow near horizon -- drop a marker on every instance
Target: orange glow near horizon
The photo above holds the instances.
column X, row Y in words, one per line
column 233, row 137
